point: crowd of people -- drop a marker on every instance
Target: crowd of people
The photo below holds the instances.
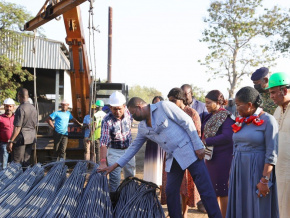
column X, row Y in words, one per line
column 228, row 157
column 227, row 150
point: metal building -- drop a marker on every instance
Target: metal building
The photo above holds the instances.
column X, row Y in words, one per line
column 51, row 60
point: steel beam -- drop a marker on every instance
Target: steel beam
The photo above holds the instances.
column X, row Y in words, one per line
column 51, row 12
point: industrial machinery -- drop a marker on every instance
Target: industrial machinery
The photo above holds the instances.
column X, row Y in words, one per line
column 79, row 68
column 81, row 84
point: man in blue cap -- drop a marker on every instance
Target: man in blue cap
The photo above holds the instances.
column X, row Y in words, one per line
column 260, row 79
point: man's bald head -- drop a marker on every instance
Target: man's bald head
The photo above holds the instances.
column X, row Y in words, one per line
column 23, row 92
column 23, row 95
column 135, row 101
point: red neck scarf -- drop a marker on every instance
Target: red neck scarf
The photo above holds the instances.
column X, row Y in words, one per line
column 255, row 119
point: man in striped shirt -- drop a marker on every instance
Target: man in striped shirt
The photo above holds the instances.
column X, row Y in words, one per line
column 116, row 138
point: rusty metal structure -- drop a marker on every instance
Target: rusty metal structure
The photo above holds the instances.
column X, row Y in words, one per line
column 79, row 68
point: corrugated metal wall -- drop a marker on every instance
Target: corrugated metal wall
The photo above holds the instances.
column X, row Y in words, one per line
column 49, row 54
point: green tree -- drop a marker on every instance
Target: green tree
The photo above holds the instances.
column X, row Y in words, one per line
column 282, row 44
column 12, row 19
column 146, row 93
column 198, row 93
column 236, row 35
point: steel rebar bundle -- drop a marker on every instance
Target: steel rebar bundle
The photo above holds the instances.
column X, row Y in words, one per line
column 143, row 204
column 18, row 189
column 9, row 174
column 138, row 198
column 39, row 198
column 66, row 201
column 95, row 200
column 127, row 190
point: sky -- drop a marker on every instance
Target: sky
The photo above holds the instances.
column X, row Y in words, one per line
column 155, row 43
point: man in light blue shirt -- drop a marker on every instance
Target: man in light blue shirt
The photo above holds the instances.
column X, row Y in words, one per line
column 173, row 130
column 60, row 127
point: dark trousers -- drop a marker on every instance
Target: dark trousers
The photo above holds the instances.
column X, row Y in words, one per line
column 92, row 150
column 60, row 143
column 21, row 154
column 203, row 183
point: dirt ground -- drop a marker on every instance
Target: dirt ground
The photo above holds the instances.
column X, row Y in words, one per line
column 192, row 212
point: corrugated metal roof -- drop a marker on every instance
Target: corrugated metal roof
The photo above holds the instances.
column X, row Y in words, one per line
column 50, row 54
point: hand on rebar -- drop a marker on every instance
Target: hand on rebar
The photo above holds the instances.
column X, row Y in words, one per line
column 107, row 170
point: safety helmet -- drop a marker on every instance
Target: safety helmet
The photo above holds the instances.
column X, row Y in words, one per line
column 30, row 100
column 9, row 101
column 64, row 101
column 117, row 99
column 100, row 103
column 279, row 79
column 93, row 106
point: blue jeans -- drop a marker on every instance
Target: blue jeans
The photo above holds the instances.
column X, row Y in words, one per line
column 115, row 176
column 203, row 183
column 3, row 155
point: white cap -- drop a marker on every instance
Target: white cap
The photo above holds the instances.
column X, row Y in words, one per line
column 64, row 101
column 117, row 99
column 9, row 101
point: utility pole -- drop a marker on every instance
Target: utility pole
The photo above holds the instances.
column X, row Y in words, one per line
column 109, row 76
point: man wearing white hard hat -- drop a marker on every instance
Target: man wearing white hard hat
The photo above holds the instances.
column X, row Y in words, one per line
column 60, row 127
column 6, row 129
column 116, row 138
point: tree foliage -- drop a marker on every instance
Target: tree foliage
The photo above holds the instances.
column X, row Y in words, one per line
column 198, row 93
column 146, row 93
column 11, row 76
column 12, row 19
column 282, row 44
column 12, row 16
column 237, row 37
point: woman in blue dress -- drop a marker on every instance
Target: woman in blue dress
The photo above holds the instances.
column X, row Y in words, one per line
column 255, row 138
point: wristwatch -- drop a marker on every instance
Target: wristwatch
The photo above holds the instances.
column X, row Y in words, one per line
column 266, row 177
column 10, row 141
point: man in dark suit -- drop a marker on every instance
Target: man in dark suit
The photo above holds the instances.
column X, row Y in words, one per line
column 193, row 103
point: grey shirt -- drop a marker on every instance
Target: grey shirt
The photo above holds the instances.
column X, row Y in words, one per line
column 26, row 118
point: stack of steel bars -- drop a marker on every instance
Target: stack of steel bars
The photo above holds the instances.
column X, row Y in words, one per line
column 14, row 193
column 138, row 198
column 96, row 200
column 66, row 201
column 9, row 174
column 41, row 196
column 29, row 194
